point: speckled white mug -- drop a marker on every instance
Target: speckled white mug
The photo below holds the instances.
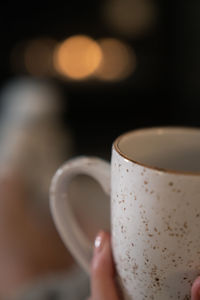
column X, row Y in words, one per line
column 155, row 210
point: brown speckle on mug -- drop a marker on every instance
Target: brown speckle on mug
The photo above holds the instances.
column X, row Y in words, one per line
column 135, row 268
column 171, row 234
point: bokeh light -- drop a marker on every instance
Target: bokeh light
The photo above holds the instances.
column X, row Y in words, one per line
column 34, row 57
column 118, row 62
column 77, row 57
column 38, row 56
column 130, row 17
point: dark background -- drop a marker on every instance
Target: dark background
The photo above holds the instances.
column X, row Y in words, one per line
column 164, row 89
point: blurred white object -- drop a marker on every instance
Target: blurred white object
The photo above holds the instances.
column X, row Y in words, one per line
column 33, row 142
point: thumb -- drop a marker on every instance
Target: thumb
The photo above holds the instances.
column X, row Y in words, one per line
column 103, row 286
column 196, row 289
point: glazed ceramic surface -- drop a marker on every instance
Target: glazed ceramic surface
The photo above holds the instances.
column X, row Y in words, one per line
column 155, row 230
column 155, row 211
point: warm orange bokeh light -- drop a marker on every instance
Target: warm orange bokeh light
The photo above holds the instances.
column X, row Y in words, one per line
column 38, row 56
column 118, row 62
column 130, row 17
column 77, row 57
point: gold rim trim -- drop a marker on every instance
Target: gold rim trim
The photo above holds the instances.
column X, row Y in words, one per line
column 155, row 129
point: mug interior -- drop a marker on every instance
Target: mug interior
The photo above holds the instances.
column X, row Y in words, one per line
column 170, row 148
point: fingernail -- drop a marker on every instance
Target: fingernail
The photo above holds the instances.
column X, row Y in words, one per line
column 99, row 241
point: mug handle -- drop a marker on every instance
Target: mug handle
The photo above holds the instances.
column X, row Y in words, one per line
column 71, row 233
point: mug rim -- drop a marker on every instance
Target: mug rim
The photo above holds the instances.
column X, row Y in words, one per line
column 155, row 129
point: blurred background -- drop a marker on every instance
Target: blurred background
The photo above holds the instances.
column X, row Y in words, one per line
column 75, row 75
column 120, row 64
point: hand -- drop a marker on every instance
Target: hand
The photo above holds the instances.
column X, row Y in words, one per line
column 195, row 294
column 103, row 285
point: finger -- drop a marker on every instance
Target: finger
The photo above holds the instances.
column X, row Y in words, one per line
column 195, row 292
column 103, row 286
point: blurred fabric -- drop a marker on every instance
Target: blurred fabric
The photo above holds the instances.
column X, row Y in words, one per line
column 72, row 285
column 33, row 144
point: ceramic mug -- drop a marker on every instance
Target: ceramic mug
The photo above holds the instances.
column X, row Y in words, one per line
column 154, row 185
